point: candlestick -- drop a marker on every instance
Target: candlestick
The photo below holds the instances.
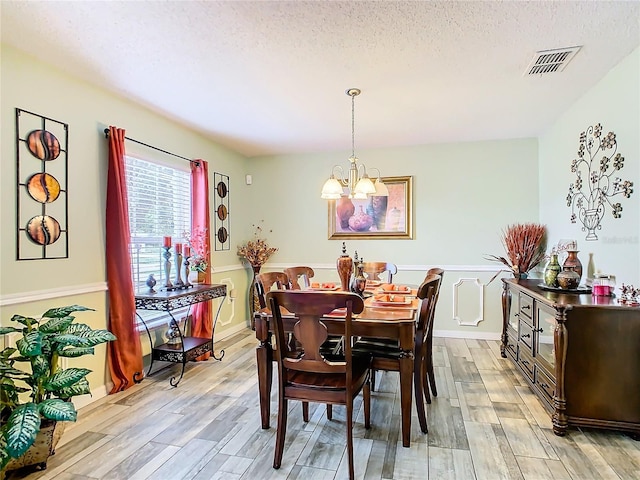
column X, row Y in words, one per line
column 178, row 280
column 166, row 242
column 167, row 267
column 178, row 248
column 186, row 269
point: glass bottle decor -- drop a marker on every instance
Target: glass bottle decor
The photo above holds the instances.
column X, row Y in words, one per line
column 568, row 279
column 572, row 261
column 359, row 281
column 591, row 270
column 551, row 271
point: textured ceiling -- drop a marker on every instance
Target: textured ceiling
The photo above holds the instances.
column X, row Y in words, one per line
column 266, row 77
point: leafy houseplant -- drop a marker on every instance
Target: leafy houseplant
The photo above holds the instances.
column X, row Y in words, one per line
column 42, row 391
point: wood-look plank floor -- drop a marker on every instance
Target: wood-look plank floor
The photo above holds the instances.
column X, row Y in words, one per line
column 484, row 424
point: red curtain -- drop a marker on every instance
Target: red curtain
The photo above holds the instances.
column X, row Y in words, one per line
column 201, row 325
column 124, row 354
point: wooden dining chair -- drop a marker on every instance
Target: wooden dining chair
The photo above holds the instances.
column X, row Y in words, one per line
column 268, row 280
column 296, row 274
column 306, row 374
column 373, row 270
column 430, row 379
column 387, row 353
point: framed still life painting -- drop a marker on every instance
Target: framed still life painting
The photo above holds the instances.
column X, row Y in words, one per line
column 374, row 217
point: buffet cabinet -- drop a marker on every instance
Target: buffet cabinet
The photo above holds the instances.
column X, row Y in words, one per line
column 579, row 354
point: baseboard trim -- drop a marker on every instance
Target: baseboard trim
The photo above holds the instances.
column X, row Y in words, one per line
column 475, row 335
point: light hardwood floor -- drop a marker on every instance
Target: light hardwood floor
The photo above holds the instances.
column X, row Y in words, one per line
column 484, row 424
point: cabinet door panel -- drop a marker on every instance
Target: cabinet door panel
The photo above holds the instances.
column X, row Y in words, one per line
column 514, row 313
column 546, row 324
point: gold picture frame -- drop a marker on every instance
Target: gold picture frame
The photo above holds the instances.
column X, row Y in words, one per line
column 375, row 217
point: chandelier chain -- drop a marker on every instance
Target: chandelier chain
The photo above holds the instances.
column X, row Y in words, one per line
column 353, row 126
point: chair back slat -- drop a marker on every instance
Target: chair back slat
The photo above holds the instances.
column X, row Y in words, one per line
column 297, row 275
column 427, row 293
column 373, row 270
column 268, row 280
column 309, row 331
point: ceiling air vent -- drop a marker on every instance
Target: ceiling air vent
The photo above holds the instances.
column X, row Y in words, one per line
column 550, row 61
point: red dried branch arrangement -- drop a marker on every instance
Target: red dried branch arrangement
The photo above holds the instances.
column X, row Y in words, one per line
column 525, row 245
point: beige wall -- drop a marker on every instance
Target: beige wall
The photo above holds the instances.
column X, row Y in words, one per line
column 463, row 196
column 31, row 287
column 614, row 103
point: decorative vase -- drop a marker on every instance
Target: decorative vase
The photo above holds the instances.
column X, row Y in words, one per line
column 254, row 303
column 151, row 282
column 172, row 333
column 44, row 446
column 551, row 271
column 568, row 279
column 344, row 210
column 345, row 268
column 573, row 262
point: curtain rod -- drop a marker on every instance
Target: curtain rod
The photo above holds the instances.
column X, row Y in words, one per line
column 106, row 135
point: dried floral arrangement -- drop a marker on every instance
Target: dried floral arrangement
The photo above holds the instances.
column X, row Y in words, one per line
column 197, row 240
column 525, row 244
column 256, row 251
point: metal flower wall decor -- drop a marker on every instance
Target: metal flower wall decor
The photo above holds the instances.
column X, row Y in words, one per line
column 596, row 182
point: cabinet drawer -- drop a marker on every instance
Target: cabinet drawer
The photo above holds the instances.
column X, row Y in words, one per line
column 525, row 337
column 512, row 348
column 546, row 385
column 526, row 309
column 525, row 361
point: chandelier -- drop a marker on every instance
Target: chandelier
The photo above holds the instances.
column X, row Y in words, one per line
column 358, row 183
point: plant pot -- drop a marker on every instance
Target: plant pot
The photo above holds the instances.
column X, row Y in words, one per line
column 44, row 446
column 196, row 276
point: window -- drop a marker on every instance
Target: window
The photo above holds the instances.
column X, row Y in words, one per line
column 159, row 205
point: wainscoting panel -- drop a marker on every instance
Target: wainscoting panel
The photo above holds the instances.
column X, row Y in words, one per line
column 468, row 301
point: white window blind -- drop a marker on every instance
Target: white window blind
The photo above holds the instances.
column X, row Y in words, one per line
column 159, row 205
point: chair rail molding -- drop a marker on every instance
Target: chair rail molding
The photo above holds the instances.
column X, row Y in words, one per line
column 460, row 313
column 38, row 295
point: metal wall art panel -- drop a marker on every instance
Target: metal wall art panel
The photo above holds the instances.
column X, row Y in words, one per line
column 221, row 214
column 41, row 187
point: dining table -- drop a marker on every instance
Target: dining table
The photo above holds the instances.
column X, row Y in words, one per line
column 379, row 319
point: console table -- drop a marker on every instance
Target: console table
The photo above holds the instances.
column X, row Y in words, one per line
column 184, row 348
column 580, row 354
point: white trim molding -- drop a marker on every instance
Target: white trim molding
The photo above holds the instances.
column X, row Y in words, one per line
column 474, row 335
column 36, row 296
column 456, row 302
column 401, row 268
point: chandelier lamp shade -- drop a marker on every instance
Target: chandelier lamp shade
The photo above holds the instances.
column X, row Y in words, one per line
column 358, row 183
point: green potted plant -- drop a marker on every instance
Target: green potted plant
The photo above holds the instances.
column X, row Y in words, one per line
column 35, row 392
